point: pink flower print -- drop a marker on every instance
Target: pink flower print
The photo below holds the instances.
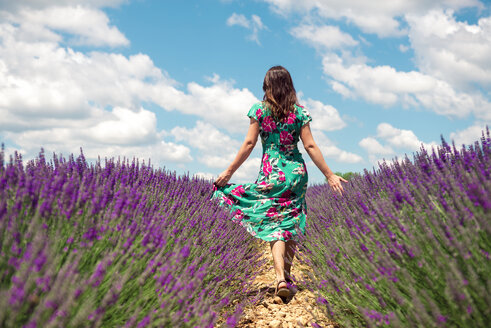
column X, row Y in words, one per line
column 272, row 212
column 267, row 168
column 291, row 118
column 227, row 200
column 277, row 235
column 286, row 138
column 287, row 148
column 284, row 202
column 295, row 212
column 239, row 215
column 287, row 194
column 281, row 175
column 263, row 186
column 287, row 235
column 238, row 191
column 285, row 198
column 268, row 124
column 299, row 170
column 259, row 113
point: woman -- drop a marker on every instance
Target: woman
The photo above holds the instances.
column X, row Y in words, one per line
column 273, row 208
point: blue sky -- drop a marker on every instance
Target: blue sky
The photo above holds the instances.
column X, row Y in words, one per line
column 173, row 80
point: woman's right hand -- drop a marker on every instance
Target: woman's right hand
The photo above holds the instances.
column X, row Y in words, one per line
column 335, row 183
column 223, row 178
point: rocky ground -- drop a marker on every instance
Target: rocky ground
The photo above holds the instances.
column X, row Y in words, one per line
column 267, row 311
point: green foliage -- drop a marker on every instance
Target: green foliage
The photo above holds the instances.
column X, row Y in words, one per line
column 348, row 175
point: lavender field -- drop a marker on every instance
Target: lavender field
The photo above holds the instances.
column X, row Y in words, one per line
column 408, row 244
column 121, row 244
column 115, row 244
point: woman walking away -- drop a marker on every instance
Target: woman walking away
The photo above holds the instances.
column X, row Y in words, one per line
column 273, row 208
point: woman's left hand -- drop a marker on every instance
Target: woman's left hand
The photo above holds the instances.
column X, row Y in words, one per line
column 335, row 183
column 223, row 178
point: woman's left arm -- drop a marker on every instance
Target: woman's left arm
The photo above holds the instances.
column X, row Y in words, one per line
column 244, row 152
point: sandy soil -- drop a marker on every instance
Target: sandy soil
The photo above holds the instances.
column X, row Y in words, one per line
column 264, row 310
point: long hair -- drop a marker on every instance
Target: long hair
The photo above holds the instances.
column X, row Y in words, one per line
column 279, row 93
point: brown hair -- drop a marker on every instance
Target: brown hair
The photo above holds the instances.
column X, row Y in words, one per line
column 279, row 93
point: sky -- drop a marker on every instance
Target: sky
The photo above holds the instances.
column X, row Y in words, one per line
column 171, row 82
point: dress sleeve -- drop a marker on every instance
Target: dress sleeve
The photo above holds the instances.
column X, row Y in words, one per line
column 306, row 118
column 255, row 112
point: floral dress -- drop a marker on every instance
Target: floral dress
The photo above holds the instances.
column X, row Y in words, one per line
column 273, row 208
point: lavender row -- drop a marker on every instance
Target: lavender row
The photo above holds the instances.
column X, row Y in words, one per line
column 115, row 243
column 408, row 244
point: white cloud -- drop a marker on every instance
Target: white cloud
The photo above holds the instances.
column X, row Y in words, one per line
column 376, row 16
column 403, row 48
column 254, row 24
column 400, row 138
column 205, row 175
column 386, row 86
column 324, row 117
column 330, row 150
column 54, row 97
column 37, row 4
column 126, row 127
column 120, row 133
column 372, row 146
column 238, row 19
column 220, row 103
column 89, row 26
column 160, row 153
column 84, row 25
column 323, row 37
column 206, row 137
column 392, row 142
column 468, row 135
column 341, row 89
column 216, row 149
column 248, row 171
column 220, row 161
column 44, row 79
column 452, row 57
column 451, row 50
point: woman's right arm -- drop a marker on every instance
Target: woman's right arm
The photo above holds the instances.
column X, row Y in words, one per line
column 244, row 152
column 316, row 156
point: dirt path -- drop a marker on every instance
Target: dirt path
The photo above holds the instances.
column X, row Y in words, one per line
column 298, row 310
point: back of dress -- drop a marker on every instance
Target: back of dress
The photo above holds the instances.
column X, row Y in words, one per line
column 273, row 208
column 279, row 141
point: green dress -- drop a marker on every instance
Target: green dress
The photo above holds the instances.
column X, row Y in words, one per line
column 273, row 207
